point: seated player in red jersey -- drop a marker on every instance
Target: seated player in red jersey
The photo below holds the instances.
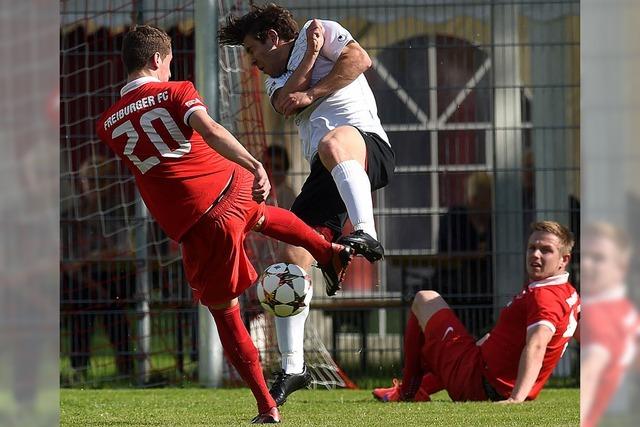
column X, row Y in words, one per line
column 609, row 323
column 513, row 362
column 206, row 191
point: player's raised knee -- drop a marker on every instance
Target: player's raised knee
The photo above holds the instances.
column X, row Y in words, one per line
column 424, row 297
column 329, row 147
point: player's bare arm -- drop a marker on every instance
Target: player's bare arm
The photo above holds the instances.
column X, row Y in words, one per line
column 352, row 62
column 301, row 77
column 221, row 140
column 530, row 362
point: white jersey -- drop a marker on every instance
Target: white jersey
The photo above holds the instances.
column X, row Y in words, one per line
column 352, row 105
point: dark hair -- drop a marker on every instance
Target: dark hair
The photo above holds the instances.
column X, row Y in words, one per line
column 256, row 23
column 278, row 151
column 140, row 43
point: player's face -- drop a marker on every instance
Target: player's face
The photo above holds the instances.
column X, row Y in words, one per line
column 544, row 256
column 601, row 265
column 265, row 55
column 164, row 68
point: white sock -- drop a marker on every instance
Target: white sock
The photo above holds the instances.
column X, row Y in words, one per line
column 355, row 189
column 290, row 331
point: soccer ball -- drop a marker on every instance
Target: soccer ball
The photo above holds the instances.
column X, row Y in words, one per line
column 284, row 289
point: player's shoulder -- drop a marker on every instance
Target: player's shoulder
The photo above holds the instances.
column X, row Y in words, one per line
column 563, row 294
column 561, row 290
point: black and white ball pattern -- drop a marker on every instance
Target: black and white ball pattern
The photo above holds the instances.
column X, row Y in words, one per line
column 284, row 289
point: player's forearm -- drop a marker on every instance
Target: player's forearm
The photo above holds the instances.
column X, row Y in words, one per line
column 301, row 77
column 528, row 370
column 229, row 147
column 349, row 66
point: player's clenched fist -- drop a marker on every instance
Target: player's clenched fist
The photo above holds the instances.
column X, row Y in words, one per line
column 315, row 36
column 294, row 102
column 261, row 185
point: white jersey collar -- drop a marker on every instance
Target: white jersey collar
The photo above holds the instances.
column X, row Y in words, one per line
column 135, row 84
column 559, row 279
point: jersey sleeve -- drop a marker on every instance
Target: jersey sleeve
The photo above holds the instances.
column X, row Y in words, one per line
column 274, row 83
column 188, row 101
column 336, row 37
column 545, row 307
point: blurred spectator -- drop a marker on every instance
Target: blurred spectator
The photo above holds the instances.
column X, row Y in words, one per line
column 276, row 162
column 464, row 275
column 98, row 273
column 609, row 323
column 468, row 228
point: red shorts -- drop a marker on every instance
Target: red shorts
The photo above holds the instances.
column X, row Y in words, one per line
column 450, row 353
column 213, row 254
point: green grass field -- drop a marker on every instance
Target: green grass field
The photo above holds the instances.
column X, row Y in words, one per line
column 229, row 407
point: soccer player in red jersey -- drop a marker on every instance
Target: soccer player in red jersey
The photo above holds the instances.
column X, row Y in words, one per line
column 206, row 191
column 609, row 323
column 513, row 362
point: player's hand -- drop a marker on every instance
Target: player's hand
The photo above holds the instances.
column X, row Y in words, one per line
column 261, row 185
column 293, row 102
column 315, row 36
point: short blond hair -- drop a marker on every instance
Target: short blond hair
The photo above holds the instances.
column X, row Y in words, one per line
column 560, row 231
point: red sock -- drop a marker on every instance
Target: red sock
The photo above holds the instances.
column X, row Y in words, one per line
column 285, row 226
column 413, row 342
column 243, row 355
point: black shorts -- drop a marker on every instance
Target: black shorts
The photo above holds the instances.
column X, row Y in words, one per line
column 319, row 202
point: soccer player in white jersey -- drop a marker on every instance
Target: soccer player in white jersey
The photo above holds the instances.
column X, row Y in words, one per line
column 316, row 75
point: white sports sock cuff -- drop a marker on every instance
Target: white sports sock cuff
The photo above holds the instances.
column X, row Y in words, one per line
column 293, row 363
column 346, row 169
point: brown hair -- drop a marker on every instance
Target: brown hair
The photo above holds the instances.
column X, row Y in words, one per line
column 256, row 23
column 566, row 237
column 141, row 43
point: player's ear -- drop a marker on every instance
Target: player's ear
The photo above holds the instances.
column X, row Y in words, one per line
column 565, row 260
column 273, row 36
column 156, row 60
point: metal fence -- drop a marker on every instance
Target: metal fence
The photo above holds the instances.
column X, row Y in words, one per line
column 481, row 103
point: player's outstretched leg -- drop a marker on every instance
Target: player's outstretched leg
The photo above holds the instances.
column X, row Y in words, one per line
column 333, row 259
column 243, row 355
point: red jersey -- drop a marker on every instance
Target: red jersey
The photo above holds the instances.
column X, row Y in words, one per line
column 178, row 175
column 552, row 302
column 610, row 323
